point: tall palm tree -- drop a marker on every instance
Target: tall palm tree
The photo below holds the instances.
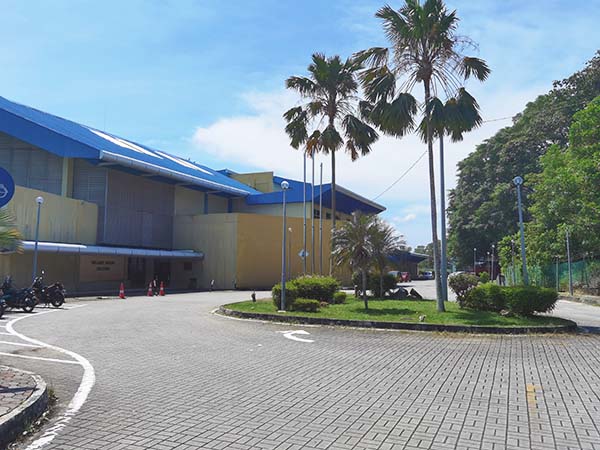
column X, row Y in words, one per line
column 329, row 120
column 353, row 246
column 424, row 49
column 455, row 117
column 384, row 241
column 10, row 237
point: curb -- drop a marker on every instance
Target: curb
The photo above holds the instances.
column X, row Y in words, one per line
column 20, row 418
column 570, row 328
column 585, row 299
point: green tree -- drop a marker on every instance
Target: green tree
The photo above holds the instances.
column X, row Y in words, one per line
column 566, row 193
column 10, row 237
column 424, row 49
column 384, row 241
column 331, row 90
column 353, row 246
column 482, row 207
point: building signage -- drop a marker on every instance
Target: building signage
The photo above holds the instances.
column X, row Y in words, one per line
column 101, row 268
column 7, row 187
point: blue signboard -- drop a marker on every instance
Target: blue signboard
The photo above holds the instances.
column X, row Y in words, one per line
column 7, row 187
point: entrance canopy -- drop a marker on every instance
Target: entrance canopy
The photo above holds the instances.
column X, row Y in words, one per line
column 59, row 247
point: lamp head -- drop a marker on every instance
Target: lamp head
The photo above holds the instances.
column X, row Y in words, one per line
column 285, row 185
column 39, row 200
column 518, row 181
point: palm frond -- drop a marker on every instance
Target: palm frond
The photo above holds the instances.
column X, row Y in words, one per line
column 474, row 67
column 10, row 237
column 359, row 136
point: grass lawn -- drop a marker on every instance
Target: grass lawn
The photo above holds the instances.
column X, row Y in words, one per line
column 403, row 311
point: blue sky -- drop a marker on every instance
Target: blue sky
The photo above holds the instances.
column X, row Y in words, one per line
column 204, row 79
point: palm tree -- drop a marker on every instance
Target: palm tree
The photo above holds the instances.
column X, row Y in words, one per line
column 10, row 237
column 424, row 49
column 384, row 241
column 331, row 90
column 352, row 246
column 455, row 117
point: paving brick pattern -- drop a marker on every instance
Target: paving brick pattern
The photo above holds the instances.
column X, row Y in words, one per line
column 170, row 375
column 15, row 388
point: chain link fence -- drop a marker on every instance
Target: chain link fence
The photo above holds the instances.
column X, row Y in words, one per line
column 586, row 276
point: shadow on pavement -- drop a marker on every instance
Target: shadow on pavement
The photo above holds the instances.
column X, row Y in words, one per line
column 589, row 330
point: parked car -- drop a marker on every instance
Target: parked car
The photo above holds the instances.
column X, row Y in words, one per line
column 426, row 275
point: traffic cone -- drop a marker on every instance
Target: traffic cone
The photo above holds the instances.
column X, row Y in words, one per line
column 150, row 293
column 122, row 291
column 162, row 289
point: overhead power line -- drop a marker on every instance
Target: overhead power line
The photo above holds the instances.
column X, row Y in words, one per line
column 403, row 175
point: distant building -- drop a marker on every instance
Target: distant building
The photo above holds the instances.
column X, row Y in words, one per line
column 118, row 211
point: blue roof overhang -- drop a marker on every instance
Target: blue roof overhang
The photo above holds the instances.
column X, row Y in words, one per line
column 403, row 256
column 69, row 139
column 346, row 201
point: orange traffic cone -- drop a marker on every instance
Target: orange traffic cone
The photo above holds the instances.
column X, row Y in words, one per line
column 162, row 289
column 150, row 293
column 122, row 291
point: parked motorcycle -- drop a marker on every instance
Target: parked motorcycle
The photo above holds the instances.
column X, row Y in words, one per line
column 2, row 307
column 54, row 294
column 17, row 298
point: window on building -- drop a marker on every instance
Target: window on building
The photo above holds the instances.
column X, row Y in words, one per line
column 317, row 214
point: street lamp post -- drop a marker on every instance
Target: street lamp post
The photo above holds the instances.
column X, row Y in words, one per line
column 284, row 187
column 512, row 254
column 569, row 264
column 289, row 255
column 39, row 201
column 475, row 260
column 518, row 181
column 488, row 264
column 492, row 270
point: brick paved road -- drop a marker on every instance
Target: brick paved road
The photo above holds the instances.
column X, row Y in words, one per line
column 172, row 375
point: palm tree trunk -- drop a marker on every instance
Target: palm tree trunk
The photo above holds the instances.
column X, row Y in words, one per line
column 433, row 204
column 444, row 255
column 381, row 283
column 331, row 122
column 364, row 288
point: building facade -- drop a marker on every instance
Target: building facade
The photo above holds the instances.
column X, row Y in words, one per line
column 118, row 211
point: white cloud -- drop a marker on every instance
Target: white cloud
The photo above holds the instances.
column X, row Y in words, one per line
column 407, row 218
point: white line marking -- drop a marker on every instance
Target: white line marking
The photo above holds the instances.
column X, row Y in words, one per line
column 87, row 382
column 7, row 334
column 19, row 343
column 291, row 335
column 39, row 358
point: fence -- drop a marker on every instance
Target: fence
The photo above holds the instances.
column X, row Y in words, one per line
column 586, row 275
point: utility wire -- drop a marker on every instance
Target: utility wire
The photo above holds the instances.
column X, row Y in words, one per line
column 421, row 157
column 403, row 175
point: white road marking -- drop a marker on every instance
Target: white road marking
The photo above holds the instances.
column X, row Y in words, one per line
column 291, row 335
column 39, row 358
column 7, row 334
column 87, row 382
column 19, row 343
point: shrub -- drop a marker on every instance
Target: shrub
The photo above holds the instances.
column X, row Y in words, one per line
column 339, row 297
column 485, row 297
column 484, row 277
column 527, row 300
column 389, row 282
column 461, row 284
column 291, row 293
column 316, row 287
column 305, row 305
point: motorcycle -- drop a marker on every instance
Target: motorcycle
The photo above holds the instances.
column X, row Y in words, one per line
column 54, row 294
column 17, row 298
column 2, row 307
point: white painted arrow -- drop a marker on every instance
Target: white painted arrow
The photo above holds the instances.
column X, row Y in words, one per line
column 291, row 335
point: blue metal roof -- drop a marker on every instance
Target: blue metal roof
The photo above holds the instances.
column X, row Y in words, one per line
column 346, row 200
column 70, row 139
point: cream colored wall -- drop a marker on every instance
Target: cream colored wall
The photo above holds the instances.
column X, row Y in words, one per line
column 215, row 236
column 188, row 201
column 62, row 219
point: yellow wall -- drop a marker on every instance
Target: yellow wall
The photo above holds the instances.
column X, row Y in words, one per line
column 215, row 236
column 259, row 249
column 62, row 219
column 261, row 181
